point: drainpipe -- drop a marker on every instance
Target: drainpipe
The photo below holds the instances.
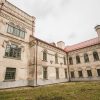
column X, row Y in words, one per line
column 36, row 59
column 68, row 68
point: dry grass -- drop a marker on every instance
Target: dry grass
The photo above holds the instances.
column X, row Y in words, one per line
column 63, row 91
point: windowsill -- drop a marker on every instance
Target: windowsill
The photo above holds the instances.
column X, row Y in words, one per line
column 45, row 60
column 78, row 63
column 96, row 60
column 56, row 63
column 80, row 77
column 89, row 77
column 12, row 80
column 12, row 58
column 45, row 79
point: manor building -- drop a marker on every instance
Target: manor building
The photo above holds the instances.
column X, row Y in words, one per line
column 28, row 61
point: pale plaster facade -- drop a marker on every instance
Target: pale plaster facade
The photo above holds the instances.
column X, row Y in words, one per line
column 29, row 68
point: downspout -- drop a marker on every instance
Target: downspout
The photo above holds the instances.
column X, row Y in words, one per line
column 36, row 59
column 68, row 68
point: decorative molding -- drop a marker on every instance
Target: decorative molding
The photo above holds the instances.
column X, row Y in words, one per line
column 15, row 21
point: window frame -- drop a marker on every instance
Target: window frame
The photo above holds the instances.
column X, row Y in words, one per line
column 98, row 72
column 9, row 73
column 45, row 55
column 72, row 73
column 86, row 58
column 56, row 58
column 70, row 61
column 15, row 29
column 89, row 73
column 96, row 56
column 45, row 73
column 80, row 74
column 12, row 52
column 78, row 60
column 57, row 73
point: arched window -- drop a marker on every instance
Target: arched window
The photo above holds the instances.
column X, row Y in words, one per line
column 86, row 58
column 95, row 55
column 56, row 58
column 78, row 60
column 44, row 55
column 70, row 60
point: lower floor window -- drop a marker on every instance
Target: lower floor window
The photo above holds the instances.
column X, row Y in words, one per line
column 80, row 73
column 72, row 74
column 44, row 72
column 10, row 73
column 65, row 73
column 98, row 71
column 57, row 73
column 89, row 73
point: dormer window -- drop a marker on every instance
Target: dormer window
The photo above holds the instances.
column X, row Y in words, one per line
column 16, row 30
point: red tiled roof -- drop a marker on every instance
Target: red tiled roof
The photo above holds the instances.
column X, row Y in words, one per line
column 82, row 44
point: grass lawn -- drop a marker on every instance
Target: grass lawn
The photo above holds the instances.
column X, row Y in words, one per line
column 62, row 91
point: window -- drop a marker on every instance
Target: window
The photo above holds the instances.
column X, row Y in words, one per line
column 89, row 73
column 80, row 74
column 57, row 73
column 56, row 58
column 10, row 73
column 64, row 60
column 78, row 60
column 44, row 55
column 98, row 71
column 13, row 51
column 65, row 73
column 95, row 55
column 72, row 74
column 16, row 30
column 86, row 58
column 44, row 72
column 70, row 60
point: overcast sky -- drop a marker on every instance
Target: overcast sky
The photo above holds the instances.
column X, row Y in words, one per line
column 71, row 21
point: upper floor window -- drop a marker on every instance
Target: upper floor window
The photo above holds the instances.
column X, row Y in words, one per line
column 78, row 60
column 64, row 60
column 13, row 51
column 56, row 58
column 16, row 30
column 86, row 58
column 44, row 55
column 96, row 56
column 70, row 60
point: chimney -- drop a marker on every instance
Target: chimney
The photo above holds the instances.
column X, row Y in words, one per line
column 61, row 44
column 97, row 28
